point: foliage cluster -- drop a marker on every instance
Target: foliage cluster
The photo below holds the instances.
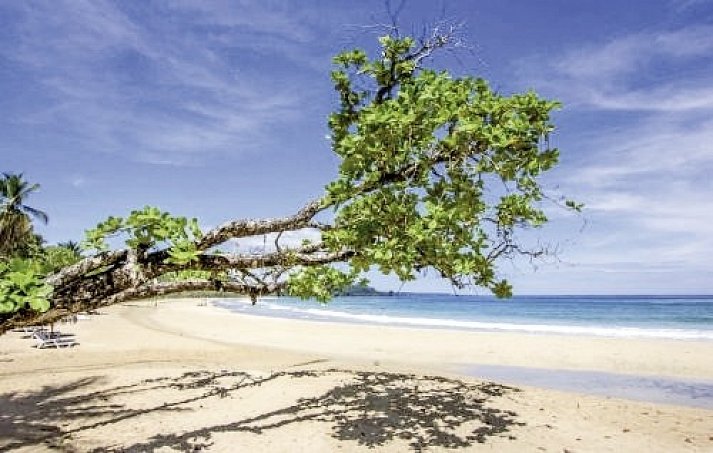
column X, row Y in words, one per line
column 22, row 278
column 146, row 229
column 22, row 285
column 320, row 282
column 419, row 150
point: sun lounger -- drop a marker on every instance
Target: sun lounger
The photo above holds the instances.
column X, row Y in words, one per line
column 52, row 339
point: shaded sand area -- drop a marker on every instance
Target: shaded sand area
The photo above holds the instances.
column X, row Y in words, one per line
column 183, row 377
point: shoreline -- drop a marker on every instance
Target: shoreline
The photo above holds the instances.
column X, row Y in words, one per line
column 317, row 313
column 180, row 374
column 455, row 348
column 683, row 390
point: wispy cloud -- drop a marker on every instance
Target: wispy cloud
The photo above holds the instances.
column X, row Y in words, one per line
column 642, row 169
column 77, row 181
column 679, row 148
column 648, row 194
column 648, row 71
column 688, row 5
column 118, row 81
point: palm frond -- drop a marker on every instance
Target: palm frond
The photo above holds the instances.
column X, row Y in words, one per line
column 36, row 213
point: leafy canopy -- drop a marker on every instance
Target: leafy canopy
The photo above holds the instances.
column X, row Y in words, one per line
column 22, row 279
column 147, row 228
column 420, row 149
column 22, row 285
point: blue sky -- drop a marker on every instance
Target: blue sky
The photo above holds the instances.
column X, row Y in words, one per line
column 217, row 109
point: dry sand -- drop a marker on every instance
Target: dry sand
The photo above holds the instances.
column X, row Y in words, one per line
column 179, row 377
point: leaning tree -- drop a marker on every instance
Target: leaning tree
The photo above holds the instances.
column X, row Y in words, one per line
column 436, row 172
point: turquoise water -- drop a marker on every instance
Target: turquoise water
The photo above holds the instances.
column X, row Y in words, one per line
column 673, row 317
column 667, row 317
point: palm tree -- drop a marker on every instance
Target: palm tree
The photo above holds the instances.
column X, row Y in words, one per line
column 15, row 215
column 72, row 246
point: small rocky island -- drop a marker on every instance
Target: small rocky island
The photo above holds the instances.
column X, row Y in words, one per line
column 362, row 290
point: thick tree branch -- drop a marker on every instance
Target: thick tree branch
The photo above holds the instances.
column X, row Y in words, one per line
column 255, row 261
column 311, row 254
column 85, row 266
column 135, row 278
column 250, row 227
column 151, row 289
column 163, row 288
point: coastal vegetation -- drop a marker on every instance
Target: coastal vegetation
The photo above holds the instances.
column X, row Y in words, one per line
column 436, row 172
column 18, row 238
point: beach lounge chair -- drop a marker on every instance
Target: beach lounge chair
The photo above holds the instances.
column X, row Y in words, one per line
column 52, row 339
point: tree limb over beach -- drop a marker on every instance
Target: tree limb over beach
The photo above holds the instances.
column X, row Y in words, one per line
column 436, row 172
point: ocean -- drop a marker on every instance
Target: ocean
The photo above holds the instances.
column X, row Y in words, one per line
column 666, row 317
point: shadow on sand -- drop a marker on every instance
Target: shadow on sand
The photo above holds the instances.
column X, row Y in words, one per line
column 370, row 409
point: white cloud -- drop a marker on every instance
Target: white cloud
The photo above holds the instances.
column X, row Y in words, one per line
column 687, row 5
column 624, row 73
column 647, row 190
column 628, row 54
column 78, row 181
column 279, row 18
column 662, row 148
column 120, row 81
column 643, row 167
column 667, row 98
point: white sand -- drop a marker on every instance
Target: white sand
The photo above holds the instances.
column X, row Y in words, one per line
column 100, row 393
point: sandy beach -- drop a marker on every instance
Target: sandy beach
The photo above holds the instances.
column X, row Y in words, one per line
column 180, row 376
